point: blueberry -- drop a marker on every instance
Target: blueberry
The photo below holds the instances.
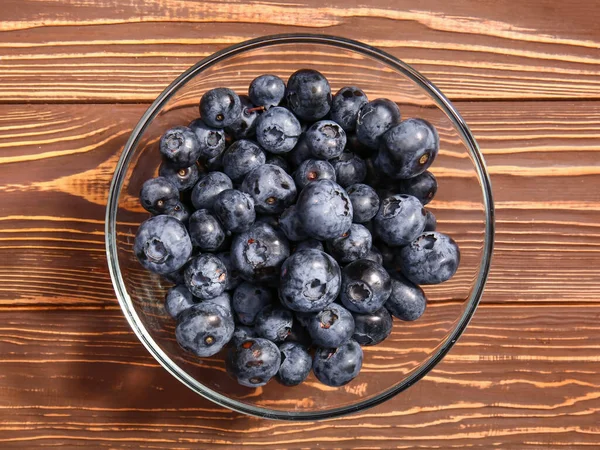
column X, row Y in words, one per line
column 242, row 333
column 296, row 363
column 308, row 94
column 407, row 301
column 183, row 179
column 430, row 222
column 411, row 146
column 352, row 245
column 324, row 209
column 240, row 158
column 422, row 186
column 310, row 280
column 271, row 187
column 345, row 106
column 290, row 224
column 374, row 119
column 248, row 300
column 309, row 244
column 365, row 286
column 430, row 259
column 349, row 169
column 180, row 147
column 206, row 190
column 356, row 147
column 279, row 161
column 211, row 140
column 365, row 202
column 331, row 327
column 245, row 126
column 233, row 277
column 300, row 152
column 253, row 362
column 162, row 244
column 266, row 90
column 205, row 276
column 158, row 195
column 235, row 210
column 179, row 211
column 375, row 256
column 204, row 329
column 274, row 323
column 338, row 366
column 258, row 253
column 277, row 130
column 220, row 107
column 326, row 139
column 206, row 231
column 401, row 218
column 178, row 299
column 371, row 329
column 313, row 170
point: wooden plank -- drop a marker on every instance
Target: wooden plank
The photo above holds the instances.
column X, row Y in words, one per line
column 52, row 241
column 521, row 377
column 113, row 51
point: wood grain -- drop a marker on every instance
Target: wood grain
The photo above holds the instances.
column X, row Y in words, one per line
column 113, row 51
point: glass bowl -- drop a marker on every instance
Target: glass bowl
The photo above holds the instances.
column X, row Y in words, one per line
column 463, row 206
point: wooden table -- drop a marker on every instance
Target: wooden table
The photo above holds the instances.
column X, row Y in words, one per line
column 76, row 76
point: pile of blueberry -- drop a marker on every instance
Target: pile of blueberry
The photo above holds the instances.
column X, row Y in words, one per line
column 293, row 226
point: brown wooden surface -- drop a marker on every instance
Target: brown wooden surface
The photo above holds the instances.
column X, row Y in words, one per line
column 76, row 75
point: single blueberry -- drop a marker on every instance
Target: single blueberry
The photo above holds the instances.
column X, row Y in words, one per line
column 178, row 299
column 345, row 106
column 349, row 169
column 374, row 119
column 277, row 130
column 422, row 186
column 365, row 202
column 245, row 126
column 308, row 94
column 296, row 363
column 338, row 366
column 266, row 90
column 411, row 147
column 310, row 280
column 162, row 244
column 158, row 195
column 206, row 276
column 271, row 187
column 258, row 253
column 206, row 231
column 240, row 158
column 290, row 224
column 274, row 323
column 206, row 190
column 313, row 170
column 233, row 277
column 180, row 147
column 183, row 179
column 371, row 329
column 324, row 209
column 248, row 300
column 401, row 218
column 430, row 222
column 326, row 139
column 211, row 140
column 235, row 210
column 365, row 286
column 407, row 301
column 352, row 245
column 220, row 107
column 204, row 329
column 253, row 362
column 431, row 258
column 331, row 327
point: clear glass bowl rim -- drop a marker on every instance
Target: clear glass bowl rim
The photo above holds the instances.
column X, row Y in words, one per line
column 120, row 174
